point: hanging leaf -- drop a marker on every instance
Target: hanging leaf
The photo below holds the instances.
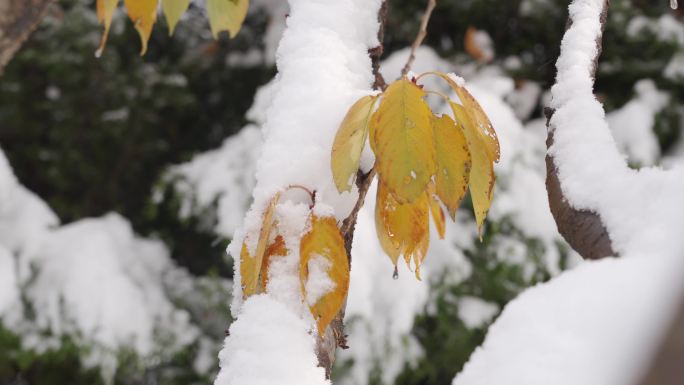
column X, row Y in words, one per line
column 250, row 266
column 401, row 228
column 436, row 211
column 105, row 12
column 482, row 172
column 349, row 142
column 401, row 137
column 453, row 163
column 143, row 13
column 226, row 15
column 480, row 120
column 324, row 240
column 173, row 10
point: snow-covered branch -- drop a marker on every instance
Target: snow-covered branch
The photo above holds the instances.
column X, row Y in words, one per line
column 637, row 208
column 323, row 67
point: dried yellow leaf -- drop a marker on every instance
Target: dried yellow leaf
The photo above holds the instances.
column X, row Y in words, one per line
column 143, row 13
column 250, row 266
column 349, row 142
column 453, row 163
column 173, row 10
column 105, row 12
column 402, row 139
column 324, row 240
column 226, row 15
column 482, row 171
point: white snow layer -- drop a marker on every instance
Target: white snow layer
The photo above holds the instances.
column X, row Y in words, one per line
column 600, row 323
column 98, row 280
column 595, row 325
column 223, row 176
column 632, row 125
column 269, row 344
column 92, row 280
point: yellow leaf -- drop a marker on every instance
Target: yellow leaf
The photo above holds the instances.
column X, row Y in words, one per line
column 384, row 206
column 401, row 228
column 482, row 171
column 437, row 213
column 226, row 15
column 349, row 142
column 173, row 10
column 477, row 115
column 401, row 137
column 143, row 13
column 325, row 240
column 105, row 12
column 420, row 252
column 453, row 163
column 275, row 249
column 250, row 266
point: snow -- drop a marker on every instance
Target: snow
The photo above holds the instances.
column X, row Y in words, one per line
column 474, row 312
column 97, row 280
column 92, row 280
column 319, row 283
column 223, row 177
column 24, row 218
column 597, row 324
column 666, row 28
column 9, row 292
column 632, row 125
column 269, row 344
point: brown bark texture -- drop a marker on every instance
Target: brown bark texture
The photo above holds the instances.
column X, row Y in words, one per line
column 18, row 18
column 582, row 229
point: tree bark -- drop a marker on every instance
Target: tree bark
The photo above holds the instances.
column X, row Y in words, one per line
column 18, row 18
column 582, row 229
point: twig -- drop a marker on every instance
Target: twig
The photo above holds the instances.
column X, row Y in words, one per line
column 422, row 32
column 363, row 182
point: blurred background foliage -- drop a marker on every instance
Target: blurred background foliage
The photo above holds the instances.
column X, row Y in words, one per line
column 90, row 136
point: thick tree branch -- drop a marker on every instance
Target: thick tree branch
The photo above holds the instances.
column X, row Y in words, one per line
column 582, row 229
column 18, row 18
column 334, row 335
column 422, row 32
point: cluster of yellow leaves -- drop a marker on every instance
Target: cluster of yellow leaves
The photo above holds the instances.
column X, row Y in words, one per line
column 322, row 240
column 421, row 159
column 224, row 15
